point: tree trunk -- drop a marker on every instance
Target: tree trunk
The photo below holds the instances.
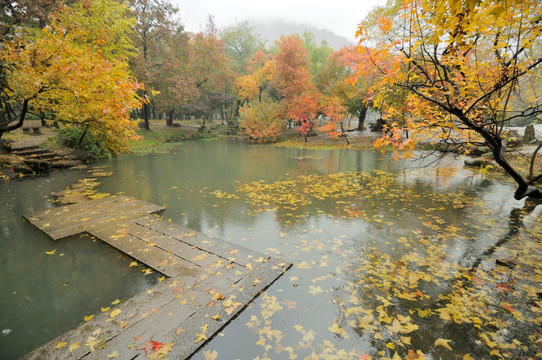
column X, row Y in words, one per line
column 343, row 134
column 362, row 115
column 495, row 144
column 5, row 128
column 145, row 109
column 169, row 118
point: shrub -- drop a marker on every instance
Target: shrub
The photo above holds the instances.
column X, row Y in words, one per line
column 261, row 123
column 79, row 138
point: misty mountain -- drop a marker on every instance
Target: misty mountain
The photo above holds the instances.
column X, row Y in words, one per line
column 272, row 31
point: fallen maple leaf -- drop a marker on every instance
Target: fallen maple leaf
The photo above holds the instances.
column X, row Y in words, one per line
column 74, row 346
column 156, row 345
column 115, row 313
column 60, row 344
column 444, row 343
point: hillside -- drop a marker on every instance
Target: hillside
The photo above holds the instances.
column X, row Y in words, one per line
column 272, row 31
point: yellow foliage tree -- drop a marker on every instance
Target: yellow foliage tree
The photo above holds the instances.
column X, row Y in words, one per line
column 459, row 65
column 69, row 72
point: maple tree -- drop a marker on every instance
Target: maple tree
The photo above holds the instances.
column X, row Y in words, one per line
column 459, row 68
column 298, row 96
column 261, row 70
column 66, row 69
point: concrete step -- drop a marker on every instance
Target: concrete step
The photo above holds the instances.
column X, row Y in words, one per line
column 62, row 163
column 30, row 151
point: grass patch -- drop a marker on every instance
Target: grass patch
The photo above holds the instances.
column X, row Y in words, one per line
column 156, row 141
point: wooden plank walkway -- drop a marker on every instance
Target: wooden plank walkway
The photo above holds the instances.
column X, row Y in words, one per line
column 209, row 281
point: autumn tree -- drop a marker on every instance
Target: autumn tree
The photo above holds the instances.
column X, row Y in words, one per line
column 153, row 35
column 240, row 45
column 174, row 79
column 298, row 95
column 212, row 75
column 68, row 70
column 261, row 71
column 461, row 65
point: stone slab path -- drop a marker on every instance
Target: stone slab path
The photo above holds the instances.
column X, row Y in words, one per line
column 206, row 283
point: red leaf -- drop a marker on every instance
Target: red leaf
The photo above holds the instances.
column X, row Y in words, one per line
column 156, row 345
column 503, row 287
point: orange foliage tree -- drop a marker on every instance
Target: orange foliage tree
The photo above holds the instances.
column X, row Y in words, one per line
column 459, row 66
column 299, row 96
column 67, row 70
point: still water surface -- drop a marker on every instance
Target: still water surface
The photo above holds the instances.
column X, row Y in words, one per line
column 45, row 295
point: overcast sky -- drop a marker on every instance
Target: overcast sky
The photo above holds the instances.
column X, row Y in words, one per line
column 338, row 16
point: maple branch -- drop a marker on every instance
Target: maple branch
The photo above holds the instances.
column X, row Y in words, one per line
column 498, row 86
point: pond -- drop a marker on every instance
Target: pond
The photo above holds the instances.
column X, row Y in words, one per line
column 380, row 249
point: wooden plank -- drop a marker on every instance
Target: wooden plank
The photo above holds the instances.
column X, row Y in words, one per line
column 187, row 252
column 70, row 219
column 63, row 211
column 121, row 213
column 167, row 263
column 234, row 253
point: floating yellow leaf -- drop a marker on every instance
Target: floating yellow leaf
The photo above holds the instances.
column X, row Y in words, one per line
column 147, row 271
column 162, row 279
column 335, row 328
column 133, row 263
column 444, row 343
column 51, row 252
column 60, row 344
column 210, row 355
column 90, row 317
column 104, row 309
column 467, row 357
column 115, row 302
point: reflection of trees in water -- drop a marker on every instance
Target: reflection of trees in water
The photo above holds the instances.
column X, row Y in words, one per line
column 377, row 281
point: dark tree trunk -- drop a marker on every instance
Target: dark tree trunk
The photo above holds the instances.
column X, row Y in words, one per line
column 146, row 112
column 169, row 118
column 362, row 115
column 7, row 128
column 42, row 118
column 525, row 189
column 343, row 134
column 237, row 108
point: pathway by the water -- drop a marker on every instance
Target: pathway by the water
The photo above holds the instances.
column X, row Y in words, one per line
column 206, row 282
